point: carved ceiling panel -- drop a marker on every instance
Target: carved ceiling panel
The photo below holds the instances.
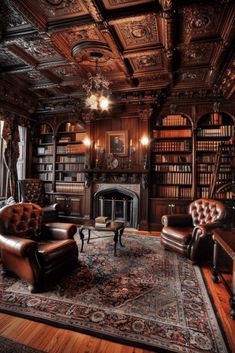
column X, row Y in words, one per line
column 115, row 4
column 10, row 17
column 200, row 21
column 194, row 76
column 66, row 71
column 7, row 58
column 63, row 8
column 138, row 31
column 81, row 33
column 40, row 49
column 195, row 54
column 32, row 76
column 147, row 61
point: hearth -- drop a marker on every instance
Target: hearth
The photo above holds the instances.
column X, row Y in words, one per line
column 118, row 204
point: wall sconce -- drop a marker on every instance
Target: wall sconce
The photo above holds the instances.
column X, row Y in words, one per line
column 145, row 142
column 87, row 143
column 100, row 152
column 131, row 152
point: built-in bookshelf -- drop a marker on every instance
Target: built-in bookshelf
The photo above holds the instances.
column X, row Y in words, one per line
column 215, row 131
column 58, row 158
column 171, row 158
column 43, row 155
column 70, row 156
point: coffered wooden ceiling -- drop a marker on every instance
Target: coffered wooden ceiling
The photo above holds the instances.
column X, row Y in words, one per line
column 147, row 46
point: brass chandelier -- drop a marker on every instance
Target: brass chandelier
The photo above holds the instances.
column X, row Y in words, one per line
column 97, row 89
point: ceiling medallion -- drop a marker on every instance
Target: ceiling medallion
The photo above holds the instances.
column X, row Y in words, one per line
column 200, row 21
column 140, row 31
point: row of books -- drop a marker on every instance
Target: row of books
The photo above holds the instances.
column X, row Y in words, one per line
column 172, row 146
column 45, row 150
column 174, row 120
column 173, row 168
column 45, row 176
column 174, row 192
column 215, row 119
column 70, row 159
column 77, row 148
column 174, row 178
column 208, row 145
column 172, row 158
column 210, row 168
column 45, row 129
column 44, row 159
column 223, row 131
column 70, row 167
column 48, row 187
column 69, row 188
column 172, row 133
column 205, row 178
column 42, row 167
column 203, row 192
column 79, row 177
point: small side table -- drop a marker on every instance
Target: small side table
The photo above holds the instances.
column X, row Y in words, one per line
column 226, row 240
column 116, row 227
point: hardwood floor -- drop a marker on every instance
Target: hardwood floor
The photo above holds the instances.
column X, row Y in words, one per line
column 51, row 339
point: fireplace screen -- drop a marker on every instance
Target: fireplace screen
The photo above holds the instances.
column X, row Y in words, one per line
column 116, row 206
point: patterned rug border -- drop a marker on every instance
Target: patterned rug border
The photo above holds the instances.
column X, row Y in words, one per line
column 216, row 313
column 87, row 331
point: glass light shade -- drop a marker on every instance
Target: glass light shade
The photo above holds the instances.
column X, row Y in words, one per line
column 87, row 142
column 144, row 140
column 103, row 103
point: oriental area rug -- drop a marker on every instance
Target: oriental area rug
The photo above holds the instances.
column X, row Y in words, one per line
column 146, row 297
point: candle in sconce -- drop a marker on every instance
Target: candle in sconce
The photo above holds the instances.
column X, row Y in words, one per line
column 130, row 142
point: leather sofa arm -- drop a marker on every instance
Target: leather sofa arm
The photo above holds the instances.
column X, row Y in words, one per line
column 206, row 229
column 16, row 245
column 53, row 207
column 183, row 220
column 59, row 231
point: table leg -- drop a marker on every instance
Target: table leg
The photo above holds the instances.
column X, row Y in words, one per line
column 232, row 312
column 89, row 236
column 120, row 236
column 215, row 258
column 81, row 237
column 115, row 239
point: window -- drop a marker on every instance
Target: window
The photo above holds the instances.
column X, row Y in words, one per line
column 22, row 150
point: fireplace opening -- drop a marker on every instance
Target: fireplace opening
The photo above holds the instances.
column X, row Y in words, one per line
column 117, row 205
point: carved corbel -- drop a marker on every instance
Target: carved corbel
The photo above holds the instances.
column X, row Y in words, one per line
column 144, row 181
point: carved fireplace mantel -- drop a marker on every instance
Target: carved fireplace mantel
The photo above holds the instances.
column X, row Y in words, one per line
column 117, row 176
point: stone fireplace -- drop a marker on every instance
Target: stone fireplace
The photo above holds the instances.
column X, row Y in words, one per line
column 118, row 203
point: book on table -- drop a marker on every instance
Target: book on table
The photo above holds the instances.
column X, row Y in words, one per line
column 101, row 219
column 102, row 225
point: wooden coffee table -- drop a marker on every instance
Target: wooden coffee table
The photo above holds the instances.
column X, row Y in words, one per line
column 226, row 240
column 116, row 227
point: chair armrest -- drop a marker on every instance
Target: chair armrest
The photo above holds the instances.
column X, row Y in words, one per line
column 52, row 207
column 59, row 231
column 183, row 220
column 16, row 245
column 206, row 229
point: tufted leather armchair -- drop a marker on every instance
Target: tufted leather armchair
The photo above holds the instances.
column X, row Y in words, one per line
column 184, row 233
column 32, row 190
column 31, row 250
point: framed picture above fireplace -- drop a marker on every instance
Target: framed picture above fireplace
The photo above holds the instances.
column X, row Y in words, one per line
column 117, row 142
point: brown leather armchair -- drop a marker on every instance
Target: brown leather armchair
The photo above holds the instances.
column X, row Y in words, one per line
column 184, row 233
column 33, row 251
column 32, row 190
